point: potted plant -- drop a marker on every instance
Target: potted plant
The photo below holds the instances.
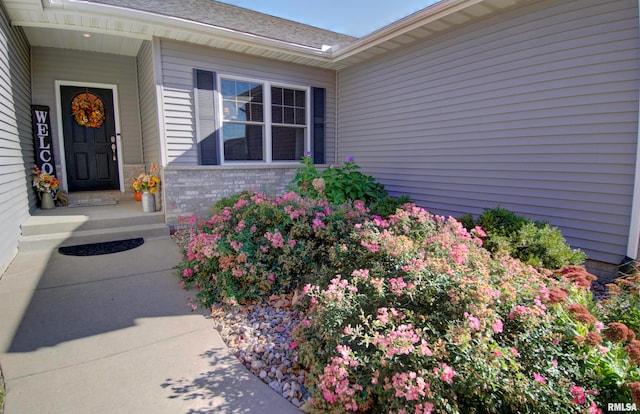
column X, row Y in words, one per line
column 44, row 185
column 148, row 185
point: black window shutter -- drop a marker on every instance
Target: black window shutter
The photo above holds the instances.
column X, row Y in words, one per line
column 208, row 152
column 318, row 114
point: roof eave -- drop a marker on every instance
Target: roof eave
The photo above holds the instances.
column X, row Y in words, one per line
column 178, row 27
column 420, row 19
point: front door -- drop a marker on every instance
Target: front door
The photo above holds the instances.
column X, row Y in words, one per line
column 89, row 130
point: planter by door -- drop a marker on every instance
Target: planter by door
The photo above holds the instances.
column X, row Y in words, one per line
column 46, row 201
column 148, row 202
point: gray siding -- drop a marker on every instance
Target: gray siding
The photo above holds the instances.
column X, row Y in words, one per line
column 178, row 62
column 148, row 105
column 535, row 110
column 51, row 64
column 16, row 145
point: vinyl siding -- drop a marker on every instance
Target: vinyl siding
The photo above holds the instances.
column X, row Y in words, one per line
column 50, row 64
column 178, row 62
column 16, row 144
column 534, row 110
column 148, row 104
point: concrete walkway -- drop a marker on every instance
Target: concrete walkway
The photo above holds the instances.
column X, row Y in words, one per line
column 114, row 334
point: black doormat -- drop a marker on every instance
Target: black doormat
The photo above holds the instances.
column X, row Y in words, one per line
column 95, row 249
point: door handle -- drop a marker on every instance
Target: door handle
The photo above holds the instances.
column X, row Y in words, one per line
column 113, row 148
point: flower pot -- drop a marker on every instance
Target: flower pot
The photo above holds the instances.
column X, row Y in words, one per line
column 148, row 202
column 137, row 195
column 46, row 201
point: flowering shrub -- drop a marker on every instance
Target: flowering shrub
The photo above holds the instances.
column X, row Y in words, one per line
column 337, row 184
column 262, row 246
column 410, row 314
column 419, row 318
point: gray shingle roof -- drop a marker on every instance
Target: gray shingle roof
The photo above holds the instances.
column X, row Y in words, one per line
column 237, row 18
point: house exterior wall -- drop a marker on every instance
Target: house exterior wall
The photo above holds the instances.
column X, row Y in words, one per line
column 16, row 142
column 192, row 189
column 148, row 104
column 534, row 110
column 51, row 64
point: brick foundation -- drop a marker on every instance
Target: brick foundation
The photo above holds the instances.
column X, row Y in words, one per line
column 190, row 191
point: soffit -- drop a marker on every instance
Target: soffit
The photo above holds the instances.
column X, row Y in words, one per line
column 121, row 31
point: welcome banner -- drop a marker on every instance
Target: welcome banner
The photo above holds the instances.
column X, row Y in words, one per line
column 41, row 121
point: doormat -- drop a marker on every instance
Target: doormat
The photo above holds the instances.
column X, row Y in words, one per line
column 90, row 203
column 95, row 249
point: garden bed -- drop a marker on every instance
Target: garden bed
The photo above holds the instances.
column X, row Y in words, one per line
column 409, row 313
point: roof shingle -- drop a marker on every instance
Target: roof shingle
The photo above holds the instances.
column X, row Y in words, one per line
column 219, row 14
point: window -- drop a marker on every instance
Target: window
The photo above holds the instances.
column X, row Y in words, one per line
column 288, row 123
column 263, row 122
column 240, row 120
column 243, row 121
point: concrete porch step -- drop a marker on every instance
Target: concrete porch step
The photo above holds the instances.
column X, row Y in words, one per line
column 67, row 226
column 41, row 225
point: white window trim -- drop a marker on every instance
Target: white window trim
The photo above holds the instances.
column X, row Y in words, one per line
column 267, row 124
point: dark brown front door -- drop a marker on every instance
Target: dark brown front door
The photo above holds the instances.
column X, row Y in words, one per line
column 89, row 138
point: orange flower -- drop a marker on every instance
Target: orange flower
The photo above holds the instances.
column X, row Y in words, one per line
column 147, row 182
column 593, row 338
column 635, row 392
column 633, row 349
column 580, row 313
column 619, row 332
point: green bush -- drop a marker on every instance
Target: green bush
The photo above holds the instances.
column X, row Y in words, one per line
column 535, row 243
column 388, row 205
column 337, row 184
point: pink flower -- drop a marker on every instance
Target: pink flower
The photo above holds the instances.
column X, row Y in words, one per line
column 447, row 373
column 478, row 232
column 497, row 326
column 515, row 352
column 578, row 395
column 599, row 326
column 397, row 285
column 474, row 323
column 593, row 409
column 539, row 378
column 318, row 224
column 425, row 408
column 424, row 348
column 293, row 344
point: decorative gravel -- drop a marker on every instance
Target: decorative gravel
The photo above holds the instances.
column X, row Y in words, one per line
column 260, row 337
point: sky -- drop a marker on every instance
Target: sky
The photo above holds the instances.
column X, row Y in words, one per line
column 352, row 17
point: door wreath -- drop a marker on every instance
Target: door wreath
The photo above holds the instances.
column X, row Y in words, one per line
column 88, row 110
